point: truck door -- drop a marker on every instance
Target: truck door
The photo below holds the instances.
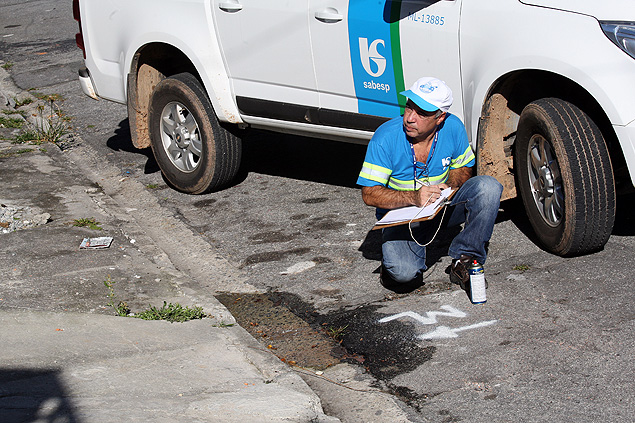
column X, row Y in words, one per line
column 366, row 52
column 267, row 52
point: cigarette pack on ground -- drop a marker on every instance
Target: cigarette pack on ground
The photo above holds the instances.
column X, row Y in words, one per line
column 94, row 243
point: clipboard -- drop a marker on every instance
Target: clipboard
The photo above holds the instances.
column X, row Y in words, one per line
column 404, row 215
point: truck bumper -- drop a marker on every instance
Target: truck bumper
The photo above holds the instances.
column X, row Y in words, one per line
column 87, row 83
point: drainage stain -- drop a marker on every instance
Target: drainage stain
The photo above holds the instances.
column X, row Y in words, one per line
column 325, row 224
column 270, row 237
column 290, row 338
column 315, row 200
column 204, row 203
column 322, row 260
column 389, row 349
column 272, row 256
column 301, row 336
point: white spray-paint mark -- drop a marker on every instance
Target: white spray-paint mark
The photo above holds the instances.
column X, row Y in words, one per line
column 298, row 267
column 429, row 319
column 442, row 332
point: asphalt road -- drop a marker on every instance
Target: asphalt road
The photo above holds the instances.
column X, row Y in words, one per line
column 554, row 342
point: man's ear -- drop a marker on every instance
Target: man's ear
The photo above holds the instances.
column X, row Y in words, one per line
column 441, row 118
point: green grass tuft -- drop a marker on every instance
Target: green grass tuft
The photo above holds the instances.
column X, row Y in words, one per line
column 172, row 313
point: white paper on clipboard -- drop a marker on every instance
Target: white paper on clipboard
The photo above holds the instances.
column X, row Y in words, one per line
column 406, row 214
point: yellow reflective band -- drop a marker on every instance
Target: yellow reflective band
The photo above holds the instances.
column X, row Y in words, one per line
column 439, row 179
column 466, row 157
column 401, row 185
column 375, row 173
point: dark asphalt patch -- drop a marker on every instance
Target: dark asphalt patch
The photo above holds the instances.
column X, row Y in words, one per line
column 386, row 349
column 204, row 203
column 301, row 336
column 315, row 200
column 272, row 256
column 272, row 236
column 325, row 224
column 290, row 338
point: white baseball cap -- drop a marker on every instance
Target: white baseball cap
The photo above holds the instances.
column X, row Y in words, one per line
column 431, row 94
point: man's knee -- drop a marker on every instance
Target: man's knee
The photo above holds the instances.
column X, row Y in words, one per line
column 401, row 273
column 402, row 261
column 488, row 185
column 487, row 189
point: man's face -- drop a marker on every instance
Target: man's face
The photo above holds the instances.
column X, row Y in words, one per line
column 420, row 124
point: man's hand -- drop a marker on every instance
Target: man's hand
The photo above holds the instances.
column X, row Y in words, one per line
column 386, row 198
column 427, row 194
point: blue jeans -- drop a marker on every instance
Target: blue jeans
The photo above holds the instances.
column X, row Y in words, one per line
column 476, row 204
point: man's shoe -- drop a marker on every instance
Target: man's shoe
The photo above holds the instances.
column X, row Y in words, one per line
column 458, row 271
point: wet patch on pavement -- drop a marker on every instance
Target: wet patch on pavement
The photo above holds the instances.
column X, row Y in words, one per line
column 290, row 338
column 302, row 337
column 315, row 200
column 272, row 256
column 386, row 349
column 326, row 223
column 272, row 236
column 204, row 203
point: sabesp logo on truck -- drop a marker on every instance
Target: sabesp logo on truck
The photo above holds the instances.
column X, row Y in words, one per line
column 368, row 53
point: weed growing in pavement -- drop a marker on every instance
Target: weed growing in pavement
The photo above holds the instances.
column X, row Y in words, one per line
column 11, row 112
column 47, row 97
column 224, row 325
column 172, row 313
column 336, row 333
column 27, row 135
column 7, row 122
column 152, row 186
column 23, row 102
column 7, row 154
column 121, row 308
column 521, row 267
column 7, row 65
column 88, row 222
column 52, row 126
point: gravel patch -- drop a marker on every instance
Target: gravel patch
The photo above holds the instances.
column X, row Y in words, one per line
column 13, row 218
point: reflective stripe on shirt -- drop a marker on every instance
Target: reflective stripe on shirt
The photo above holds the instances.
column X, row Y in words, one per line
column 464, row 158
column 375, row 173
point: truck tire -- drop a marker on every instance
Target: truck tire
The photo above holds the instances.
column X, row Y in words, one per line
column 565, row 177
column 195, row 153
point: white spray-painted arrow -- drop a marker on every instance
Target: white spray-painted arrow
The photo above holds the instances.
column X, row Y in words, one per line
column 442, row 332
column 430, row 318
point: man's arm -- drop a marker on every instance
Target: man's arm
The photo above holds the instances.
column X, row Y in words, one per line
column 386, row 198
column 457, row 177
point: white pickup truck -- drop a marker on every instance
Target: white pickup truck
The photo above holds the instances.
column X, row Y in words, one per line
column 546, row 88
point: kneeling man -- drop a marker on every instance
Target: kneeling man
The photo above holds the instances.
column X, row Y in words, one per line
column 409, row 160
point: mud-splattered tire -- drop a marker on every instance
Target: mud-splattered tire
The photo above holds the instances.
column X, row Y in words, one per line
column 195, row 153
column 565, row 177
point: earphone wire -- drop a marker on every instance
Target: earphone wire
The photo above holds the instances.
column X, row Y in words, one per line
column 445, row 204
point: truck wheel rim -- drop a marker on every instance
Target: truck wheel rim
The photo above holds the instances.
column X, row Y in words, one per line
column 181, row 137
column 545, row 180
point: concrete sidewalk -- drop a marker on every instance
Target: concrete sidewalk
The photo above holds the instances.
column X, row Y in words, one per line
column 72, row 367
column 66, row 357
